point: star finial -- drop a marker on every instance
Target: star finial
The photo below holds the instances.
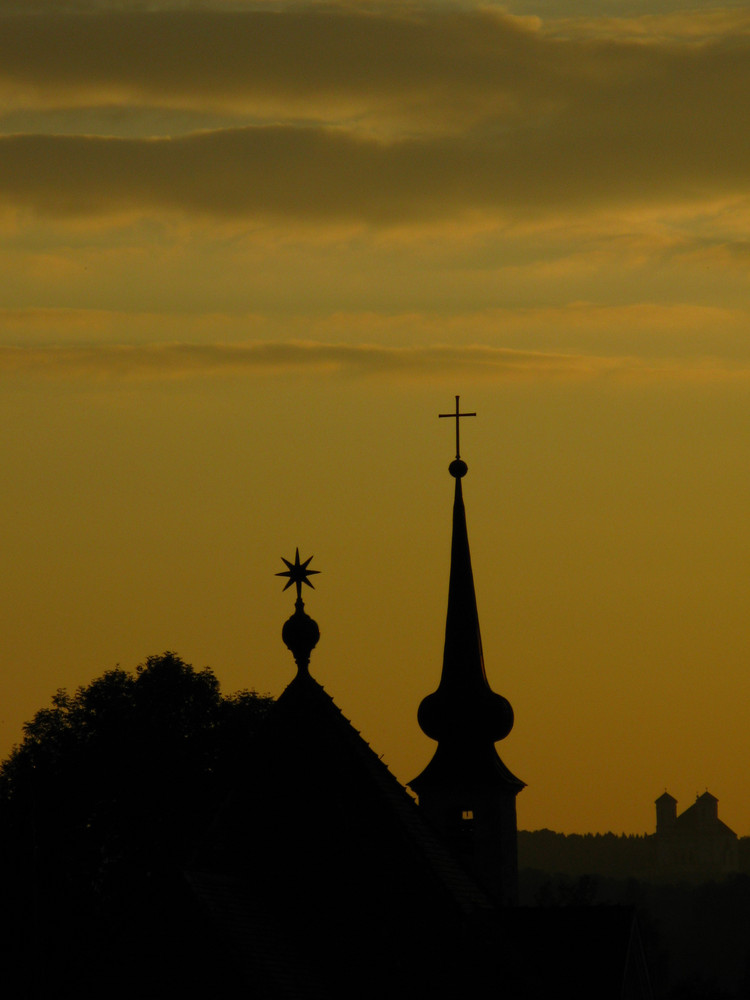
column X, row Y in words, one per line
column 298, row 573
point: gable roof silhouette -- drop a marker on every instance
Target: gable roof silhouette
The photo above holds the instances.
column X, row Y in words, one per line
column 702, row 817
column 321, row 843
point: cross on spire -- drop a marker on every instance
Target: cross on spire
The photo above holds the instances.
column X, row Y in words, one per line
column 457, row 417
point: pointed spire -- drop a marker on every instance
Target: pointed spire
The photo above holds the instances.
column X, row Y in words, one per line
column 464, row 706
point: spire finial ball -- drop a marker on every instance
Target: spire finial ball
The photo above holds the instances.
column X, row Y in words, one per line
column 458, row 468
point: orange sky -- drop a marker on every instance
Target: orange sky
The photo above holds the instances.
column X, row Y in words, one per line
column 249, row 252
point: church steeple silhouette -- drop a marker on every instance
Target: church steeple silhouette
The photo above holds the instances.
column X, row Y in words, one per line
column 466, row 790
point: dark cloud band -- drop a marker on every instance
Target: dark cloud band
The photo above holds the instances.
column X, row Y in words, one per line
column 434, row 60
column 317, row 173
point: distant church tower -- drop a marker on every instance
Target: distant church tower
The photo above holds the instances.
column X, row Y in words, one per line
column 666, row 813
column 466, row 791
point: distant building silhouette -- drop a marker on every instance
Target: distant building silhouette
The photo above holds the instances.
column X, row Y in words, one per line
column 696, row 844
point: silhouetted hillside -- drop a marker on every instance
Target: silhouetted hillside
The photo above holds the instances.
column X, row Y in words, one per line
column 586, row 854
column 608, row 854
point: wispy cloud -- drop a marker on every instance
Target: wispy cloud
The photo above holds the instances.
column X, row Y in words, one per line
column 127, row 362
column 710, row 22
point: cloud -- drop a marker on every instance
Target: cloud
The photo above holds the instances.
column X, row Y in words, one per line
column 127, row 362
column 431, row 67
column 658, row 25
column 364, row 114
column 388, row 158
column 297, row 54
column 318, row 173
column 581, row 329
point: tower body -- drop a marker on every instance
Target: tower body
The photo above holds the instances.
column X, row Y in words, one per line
column 666, row 813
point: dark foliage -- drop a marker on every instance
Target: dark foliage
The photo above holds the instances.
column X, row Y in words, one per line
column 615, row 856
column 575, row 854
column 113, row 788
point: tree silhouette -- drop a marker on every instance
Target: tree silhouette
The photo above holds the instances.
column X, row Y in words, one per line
column 117, row 782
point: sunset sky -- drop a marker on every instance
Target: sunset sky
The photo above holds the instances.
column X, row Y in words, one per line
column 249, row 252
